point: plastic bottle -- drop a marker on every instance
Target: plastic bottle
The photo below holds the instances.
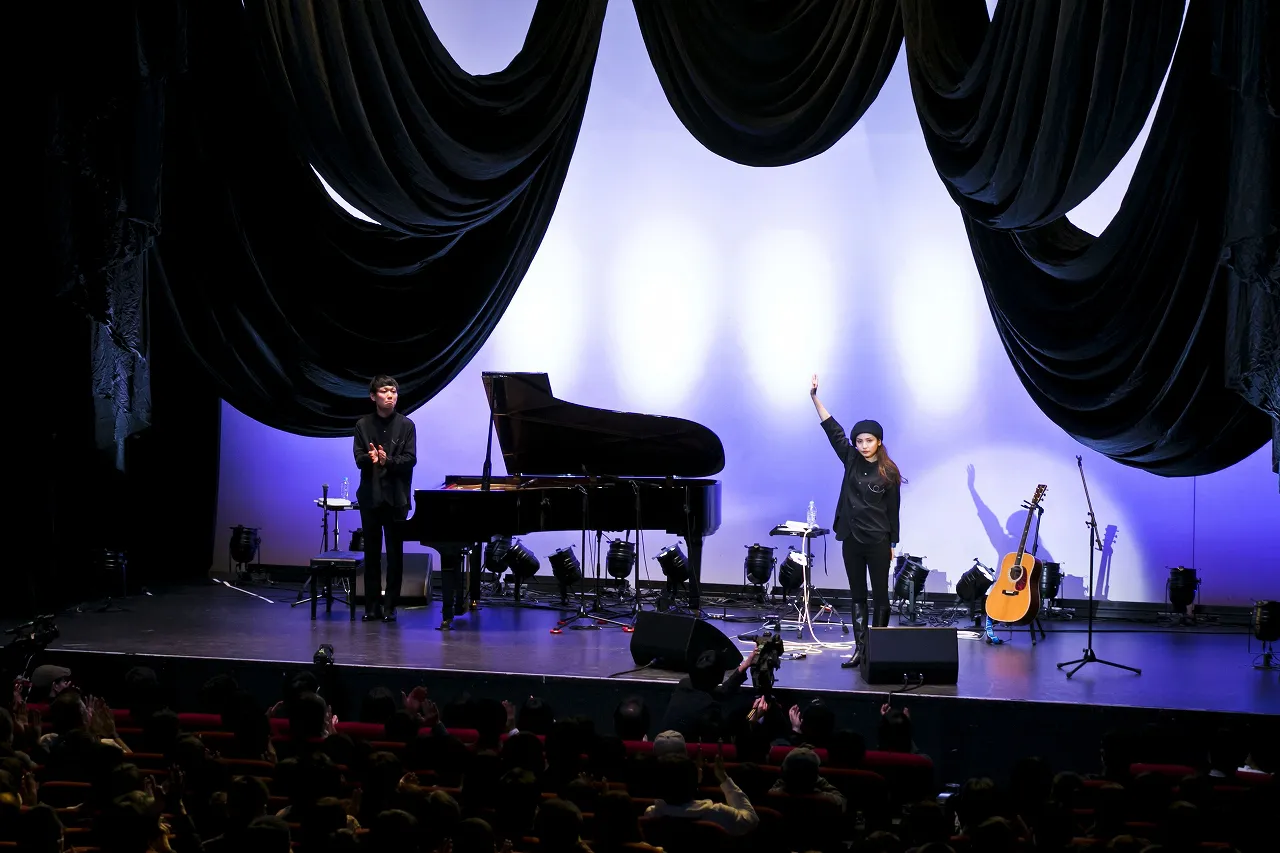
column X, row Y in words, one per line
column 812, row 517
column 346, row 486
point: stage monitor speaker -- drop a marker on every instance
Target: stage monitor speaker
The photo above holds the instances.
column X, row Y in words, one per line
column 415, row 581
column 674, row 641
column 910, row 655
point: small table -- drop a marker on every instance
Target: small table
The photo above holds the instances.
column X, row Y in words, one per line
column 327, row 567
column 335, row 506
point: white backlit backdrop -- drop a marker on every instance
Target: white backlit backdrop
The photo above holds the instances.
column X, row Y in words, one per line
column 675, row 282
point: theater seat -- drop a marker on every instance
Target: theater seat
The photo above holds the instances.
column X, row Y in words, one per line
column 1169, row 771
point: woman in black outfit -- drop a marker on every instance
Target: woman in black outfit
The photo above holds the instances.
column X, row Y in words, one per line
column 866, row 522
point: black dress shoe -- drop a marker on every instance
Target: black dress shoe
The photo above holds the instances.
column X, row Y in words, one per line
column 391, row 615
column 371, row 616
column 446, row 625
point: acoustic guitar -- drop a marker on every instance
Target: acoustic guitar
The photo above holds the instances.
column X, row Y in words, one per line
column 1014, row 597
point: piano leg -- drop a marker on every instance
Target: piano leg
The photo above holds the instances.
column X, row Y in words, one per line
column 694, row 541
column 452, row 566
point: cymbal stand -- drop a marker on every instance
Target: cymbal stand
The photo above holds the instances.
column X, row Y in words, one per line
column 1095, row 544
column 595, row 622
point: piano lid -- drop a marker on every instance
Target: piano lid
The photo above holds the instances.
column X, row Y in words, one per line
column 540, row 434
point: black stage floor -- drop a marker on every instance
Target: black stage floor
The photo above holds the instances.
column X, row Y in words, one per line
column 1183, row 669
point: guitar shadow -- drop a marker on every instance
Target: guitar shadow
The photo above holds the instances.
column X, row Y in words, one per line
column 1103, row 579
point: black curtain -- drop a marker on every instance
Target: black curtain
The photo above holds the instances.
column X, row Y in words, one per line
column 291, row 304
column 1152, row 343
column 1026, row 116
column 118, row 468
column 770, row 82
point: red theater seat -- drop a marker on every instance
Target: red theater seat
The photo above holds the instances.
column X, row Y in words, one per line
column 199, row 722
column 363, row 731
column 1170, row 771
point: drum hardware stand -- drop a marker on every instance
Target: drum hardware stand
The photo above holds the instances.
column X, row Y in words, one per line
column 1095, row 544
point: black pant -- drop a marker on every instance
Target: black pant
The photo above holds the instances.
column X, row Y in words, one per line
column 861, row 560
column 379, row 521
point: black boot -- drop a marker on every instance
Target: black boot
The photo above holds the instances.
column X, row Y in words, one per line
column 859, row 636
column 882, row 617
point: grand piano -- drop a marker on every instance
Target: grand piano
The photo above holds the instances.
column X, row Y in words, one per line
column 572, row 468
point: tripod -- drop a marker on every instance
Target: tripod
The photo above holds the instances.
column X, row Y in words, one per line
column 1095, row 544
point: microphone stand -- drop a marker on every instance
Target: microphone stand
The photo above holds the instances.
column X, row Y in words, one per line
column 1095, row 544
column 595, row 623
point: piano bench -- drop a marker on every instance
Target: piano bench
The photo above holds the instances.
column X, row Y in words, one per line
column 333, row 566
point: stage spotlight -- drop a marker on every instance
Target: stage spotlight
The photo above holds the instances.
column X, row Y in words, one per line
column 1266, row 621
column 1182, row 587
column 1051, row 581
column 1266, row 628
column 673, row 564
column 792, row 571
column 620, row 559
column 323, row 655
column 759, row 564
column 522, row 562
column 495, row 552
column 911, row 572
column 973, row 584
column 565, row 566
column 245, row 542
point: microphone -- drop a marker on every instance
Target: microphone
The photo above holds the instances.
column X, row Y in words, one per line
column 325, row 496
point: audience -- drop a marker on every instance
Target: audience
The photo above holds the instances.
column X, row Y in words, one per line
column 487, row 776
column 679, row 778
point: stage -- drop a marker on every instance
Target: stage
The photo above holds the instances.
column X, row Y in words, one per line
column 189, row 633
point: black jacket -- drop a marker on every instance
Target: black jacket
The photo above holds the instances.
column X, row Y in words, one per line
column 867, row 510
column 392, row 483
column 697, row 714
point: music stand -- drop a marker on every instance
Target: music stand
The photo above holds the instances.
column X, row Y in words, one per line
column 1095, row 543
column 807, row 534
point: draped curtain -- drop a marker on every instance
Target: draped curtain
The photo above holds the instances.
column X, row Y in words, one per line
column 1153, row 342
column 1125, row 339
column 770, row 82
column 290, row 303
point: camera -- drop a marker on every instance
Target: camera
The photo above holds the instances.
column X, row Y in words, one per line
column 769, row 651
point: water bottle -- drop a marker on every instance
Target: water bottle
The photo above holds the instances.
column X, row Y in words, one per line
column 346, row 487
column 812, row 517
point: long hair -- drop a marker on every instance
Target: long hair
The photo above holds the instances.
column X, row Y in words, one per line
column 888, row 468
